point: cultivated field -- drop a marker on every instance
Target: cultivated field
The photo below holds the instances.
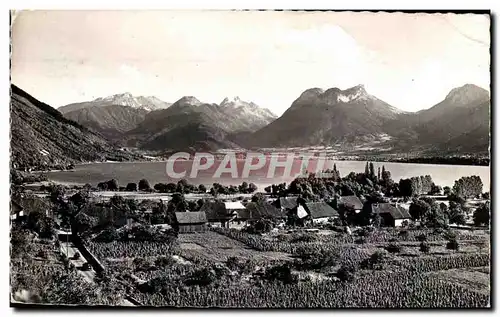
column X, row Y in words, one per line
column 218, row 248
column 229, row 268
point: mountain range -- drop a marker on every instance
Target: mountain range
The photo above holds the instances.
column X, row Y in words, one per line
column 149, row 103
column 42, row 138
column 351, row 120
column 187, row 124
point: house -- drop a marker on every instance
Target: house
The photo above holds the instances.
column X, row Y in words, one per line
column 260, row 210
column 392, row 215
column 189, row 222
column 16, row 211
column 221, row 214
column 352, row 203
column 286, row 203
column 320, row 212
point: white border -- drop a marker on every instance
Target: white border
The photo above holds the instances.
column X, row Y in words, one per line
column 192, row 4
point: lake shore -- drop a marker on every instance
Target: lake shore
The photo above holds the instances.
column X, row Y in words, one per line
column 155, row 172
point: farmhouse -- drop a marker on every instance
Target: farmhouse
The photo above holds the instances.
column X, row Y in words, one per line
column 392, row 215
column 320, row 212
column 259, row 210
column 352, row 203
column 189, row 222
column 16, row 211
column 220, row 213
column 286, row 203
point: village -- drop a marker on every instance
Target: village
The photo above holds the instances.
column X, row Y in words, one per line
column 144, row 242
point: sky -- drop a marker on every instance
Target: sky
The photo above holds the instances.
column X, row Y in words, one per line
column 411, row 61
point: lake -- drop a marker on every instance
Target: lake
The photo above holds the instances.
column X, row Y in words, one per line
column 155, row 172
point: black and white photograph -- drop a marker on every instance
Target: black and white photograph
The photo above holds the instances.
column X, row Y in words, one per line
column 250, row 159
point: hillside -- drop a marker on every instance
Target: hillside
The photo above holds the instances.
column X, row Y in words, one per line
column 42, row 138
column 110, row 121
column 459, row 124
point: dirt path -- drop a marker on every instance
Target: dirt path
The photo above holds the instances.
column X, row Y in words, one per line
column 69, row 250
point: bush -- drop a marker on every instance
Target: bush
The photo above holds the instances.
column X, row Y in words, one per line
column 403, row 234
column 317, row 261
column 260, row 226
column 233, row 263
column 346, row 273
column 203, row 277
column 141, row 264
column 421, row 237
column 376, row 261
column 164, row 261
column 452, row 245
column 393, row 248
column 424, row 247
column 281, row 273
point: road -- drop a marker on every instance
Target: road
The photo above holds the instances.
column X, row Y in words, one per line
column 69, row 250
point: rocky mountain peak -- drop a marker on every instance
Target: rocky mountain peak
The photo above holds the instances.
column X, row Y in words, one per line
column 232, row 100
column 467, row 93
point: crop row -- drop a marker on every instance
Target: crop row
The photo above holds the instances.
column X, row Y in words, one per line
column 131, row 249
column 374, row 290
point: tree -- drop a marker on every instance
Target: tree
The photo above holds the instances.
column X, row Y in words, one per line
column 160, row 187
column 434, row 217
column 252, row 188
column 468, row 187
column 84, row 223
column 372, row 172
column 202, row 188
column 456, row 214
column 435, row 190
column 367, row 169
column 112, row 185
column 481, row 215
column 419, row 209
column 387, row 181
column 486, row 195
column 243, row 188
column 407, row 187
column 144, row 185
column 131, row 187
column 178, row 203
column 57, row 194
column 171, row 187
column 258, row 197
column 267, row 189
column 102, row 186
column 447, row 191
column 80, row 199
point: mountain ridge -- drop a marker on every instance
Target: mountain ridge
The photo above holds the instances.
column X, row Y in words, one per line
column 54, row 141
